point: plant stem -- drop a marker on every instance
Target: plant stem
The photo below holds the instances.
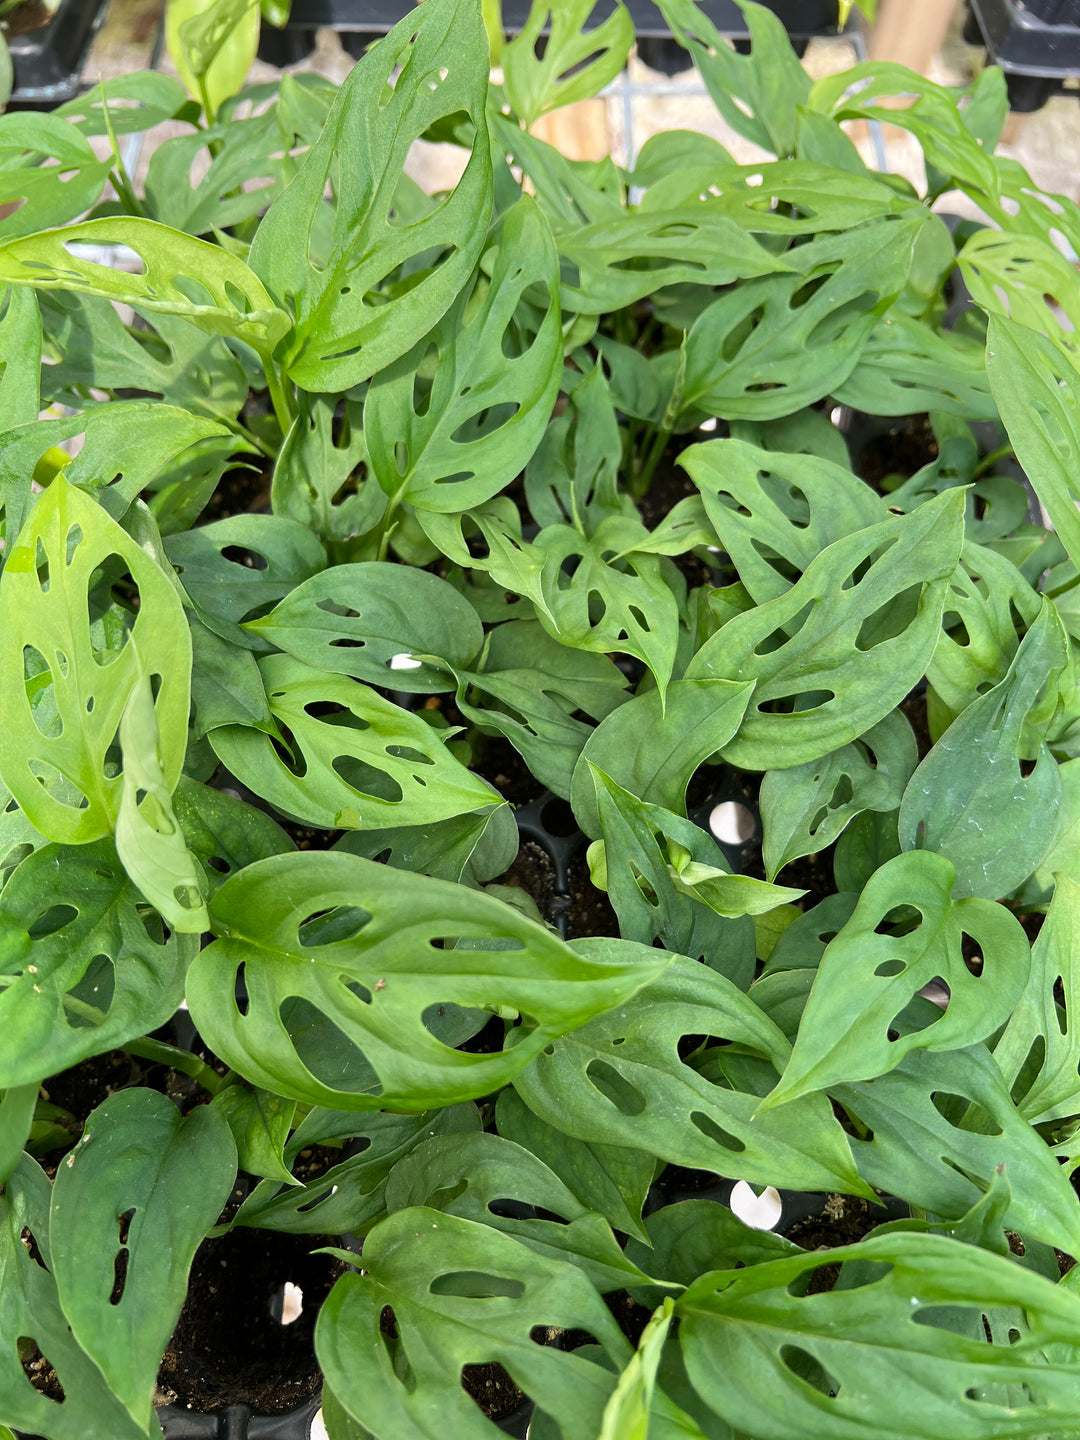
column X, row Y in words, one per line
column 279, row 395
column 639, row 483
column 160, row 1053
column 1003, row 452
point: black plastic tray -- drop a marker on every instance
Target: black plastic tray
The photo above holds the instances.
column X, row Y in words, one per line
column 1022, row 43
column 48, row 61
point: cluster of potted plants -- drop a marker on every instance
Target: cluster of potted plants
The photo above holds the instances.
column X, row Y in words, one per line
column 399, row 593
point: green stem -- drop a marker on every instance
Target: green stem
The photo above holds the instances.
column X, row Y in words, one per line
column 279, row 395
column 640, row 482
column 1003, row 452
column 159, row 1053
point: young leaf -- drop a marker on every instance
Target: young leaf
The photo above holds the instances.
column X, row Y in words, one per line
column 576, row 63
column 626, row 1415
column 869, row 973
column 16, row 1117
column 970, row 799
column 1027, row 280
column 146, row 98
column 321, row 474
column 166, row 1178
column 260, row 1123
column 388, row 953
column 212, row 44
column 573, row 474
column 493, row 385
column 363, row 763
column 849, row 648
column 430, row 66
column 62, row 694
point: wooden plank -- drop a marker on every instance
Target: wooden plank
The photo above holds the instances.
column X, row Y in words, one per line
column 910, row 32
column 579, row 131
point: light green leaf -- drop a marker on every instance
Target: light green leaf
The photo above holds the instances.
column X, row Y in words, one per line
column 260, row 1123
column 146, row 98
column 905, row 365
column 1026, row 279
column 576, row 62
column 626, row 1415
column 16, row 1117
column 212, row 44
column 39, row 196
column 20, row 337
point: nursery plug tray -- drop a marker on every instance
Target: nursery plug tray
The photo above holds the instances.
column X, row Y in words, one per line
column 1041, row 40
column 48, row 57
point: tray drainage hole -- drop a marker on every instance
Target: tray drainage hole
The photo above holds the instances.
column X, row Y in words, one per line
column 292, row 1303
column 557, row 818
column 731, row 823
column 760, row 1212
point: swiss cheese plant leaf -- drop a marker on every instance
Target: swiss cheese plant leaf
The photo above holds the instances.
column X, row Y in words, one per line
column 1038, row 1052
column 38, row 196
column 62, row 690
column 222, row 831
column 369, row 620
column 970, row 799
column 774, row 345
column 226, row 687
column 873, row 968
column 881, row 1349
column 627, row 1413
column 164, row 1179
column 396, row 957
column 81, row 971
column 845, row 644
column 16, row 1117
column 1034, row 386
column 574, row 470
column 620, row 1081
column 321, row 477
column 179, row 275
column 20, row 336
column 941, row 1126
column 347, row 326
column 362, row 763
column 461, row 1294
column 906, row 366
column 30, row 1313
column 212, row 44
column 1026, row 279
column 491, row 381
column 260, row 1123
column 652, row 750
column 806, row 808
column 576, row 63
column 125, row 104
column 470, row 848
column 773, row 513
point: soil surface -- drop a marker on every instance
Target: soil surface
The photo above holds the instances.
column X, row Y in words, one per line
column 842, row 1220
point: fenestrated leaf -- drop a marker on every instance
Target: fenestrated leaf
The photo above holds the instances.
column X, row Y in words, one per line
column 355, row 619
column 212, row 44
column 260, row 1123
column 365, row 763
column 62, row 694
column 91, row 974
column 870, row 972
column 942, row 1124
column 473, row 1176
column 805, row 808
column 321, row 475
column 493, row 384
column 29, row 1308
column 387, row 951
column 135, row 102
column 36, row 196
column 1027, row 279
column 906, row 366
column 469, row 848
column 883, row 1346
column 341, row 337
column 576, row 63
column 474, row 1296
column 166, row 1178
column 849, row 649
column 619, row 1081
column 652, row 751
column 573, row 473
column 1041, row 1029
column 970, row 800
column 774, row 512
column 20, row 337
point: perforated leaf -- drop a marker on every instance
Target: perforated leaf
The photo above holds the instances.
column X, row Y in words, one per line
column 136, row 101
column 906, row 366
column 212, row 44
column 576, row 62
column 43, row 195
column 1024, row 278
column 321, row 476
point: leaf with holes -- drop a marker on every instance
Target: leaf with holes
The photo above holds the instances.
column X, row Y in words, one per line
column 1027, row 280
column 36, row 1331
column 81, row 970
column 941, row 1126
column 126, row 104
column 363, row 764
column 222, row 831
column 37, row 195
column 882, row 588
column 369, row 620
column 61, row 695
column 970, row 800
column 212, row 44
column 574, row 469
column 469, row 849
column 20, row 337
column 880, row 1352
column 576, row 63
column 906, row 366
column 321, row 474
column 619, row 1081
column 452, row 422
column 806, row 808
column 163, row 1179
column 375, row 983
column 773, row 345
column 460, row 1293
column 774, row 512
column 880, row 959
column 350, row 322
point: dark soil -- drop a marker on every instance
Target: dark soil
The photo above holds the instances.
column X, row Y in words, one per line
column 241, row 489
column 905, row 447
column 502, row 766
column 534, row 872
column 843, row 1220
column 914, row 707
column 231, row 1345
column 589, row 911
column 40, row 1372
column 492, row 1389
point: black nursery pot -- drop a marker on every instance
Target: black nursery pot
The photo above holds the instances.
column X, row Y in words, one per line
column 48, row 50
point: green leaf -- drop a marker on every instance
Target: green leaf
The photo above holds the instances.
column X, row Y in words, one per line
column 38, row 196
column 20, row 336
column 386, row 1055
column 147, row 97
column 93, row 972
column 906, row 366
column 469, row 848
column 166, row 1178
column 695, row 1236
column 1025, row 279
column 882, row 1347
column 835, row 655
column 321, row 475
column 260, row 1123
column 970, row 799
column 29, row 1308
column 357, row 619
column 870, row 972
column 943, row 1124
column 223, row 832
column 212, row 44
column 474, row 1296
column 342, row 334
column 366, row 763
column 573, row 473
column 626, row 1415
column 490, row 380
column 62, row 693
column 16, row 1117
column 576, row 63
column 806, row 808
column 651, row 751
column 226, row 687
column 619, row 1081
